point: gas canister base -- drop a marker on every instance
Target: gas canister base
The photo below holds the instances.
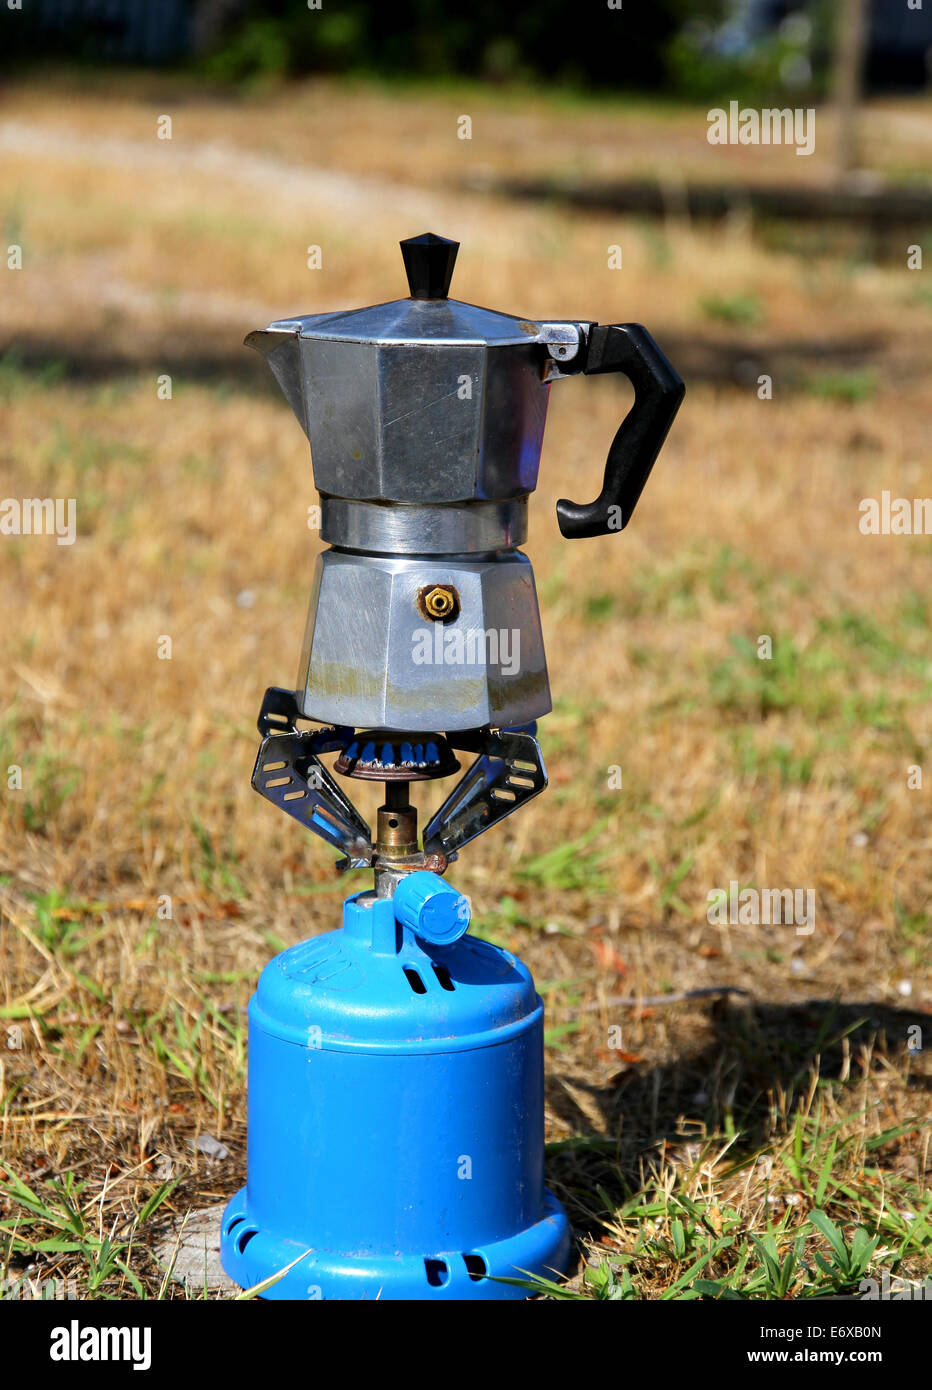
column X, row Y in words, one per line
column 251, row 1256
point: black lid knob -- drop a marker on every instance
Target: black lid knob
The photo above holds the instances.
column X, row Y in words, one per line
column 429, row 264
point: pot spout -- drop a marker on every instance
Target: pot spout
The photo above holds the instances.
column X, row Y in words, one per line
column 281, row 349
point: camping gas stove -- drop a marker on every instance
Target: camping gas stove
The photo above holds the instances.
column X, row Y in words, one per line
column 396, row 1085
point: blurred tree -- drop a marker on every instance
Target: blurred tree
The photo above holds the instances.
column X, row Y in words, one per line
column 212, row 20
column 583, row 42
column 849, row 69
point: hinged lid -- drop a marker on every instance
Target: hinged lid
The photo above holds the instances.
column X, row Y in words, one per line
column 427, row 316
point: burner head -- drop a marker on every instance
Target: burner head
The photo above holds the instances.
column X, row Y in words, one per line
column 376, row 756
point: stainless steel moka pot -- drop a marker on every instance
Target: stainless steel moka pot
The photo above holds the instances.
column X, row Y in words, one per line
column 425, row 418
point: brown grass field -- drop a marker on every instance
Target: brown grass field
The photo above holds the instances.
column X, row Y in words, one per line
column 699, row 1148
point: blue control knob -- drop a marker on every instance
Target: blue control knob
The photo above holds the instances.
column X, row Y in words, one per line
column 432, row 909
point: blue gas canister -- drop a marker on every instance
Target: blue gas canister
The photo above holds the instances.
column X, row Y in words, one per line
column 396, row 1113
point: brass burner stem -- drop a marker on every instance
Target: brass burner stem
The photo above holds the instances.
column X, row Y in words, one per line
column 396, row 796
column 396, row 836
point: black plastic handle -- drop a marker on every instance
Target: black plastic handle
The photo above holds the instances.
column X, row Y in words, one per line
column 658, row 390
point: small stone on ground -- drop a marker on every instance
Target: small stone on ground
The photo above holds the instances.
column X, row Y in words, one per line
column 194, row 1243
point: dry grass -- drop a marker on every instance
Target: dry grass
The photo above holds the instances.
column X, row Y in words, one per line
column 143, row 258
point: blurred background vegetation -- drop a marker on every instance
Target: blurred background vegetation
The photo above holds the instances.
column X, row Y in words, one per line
column 692, row 49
